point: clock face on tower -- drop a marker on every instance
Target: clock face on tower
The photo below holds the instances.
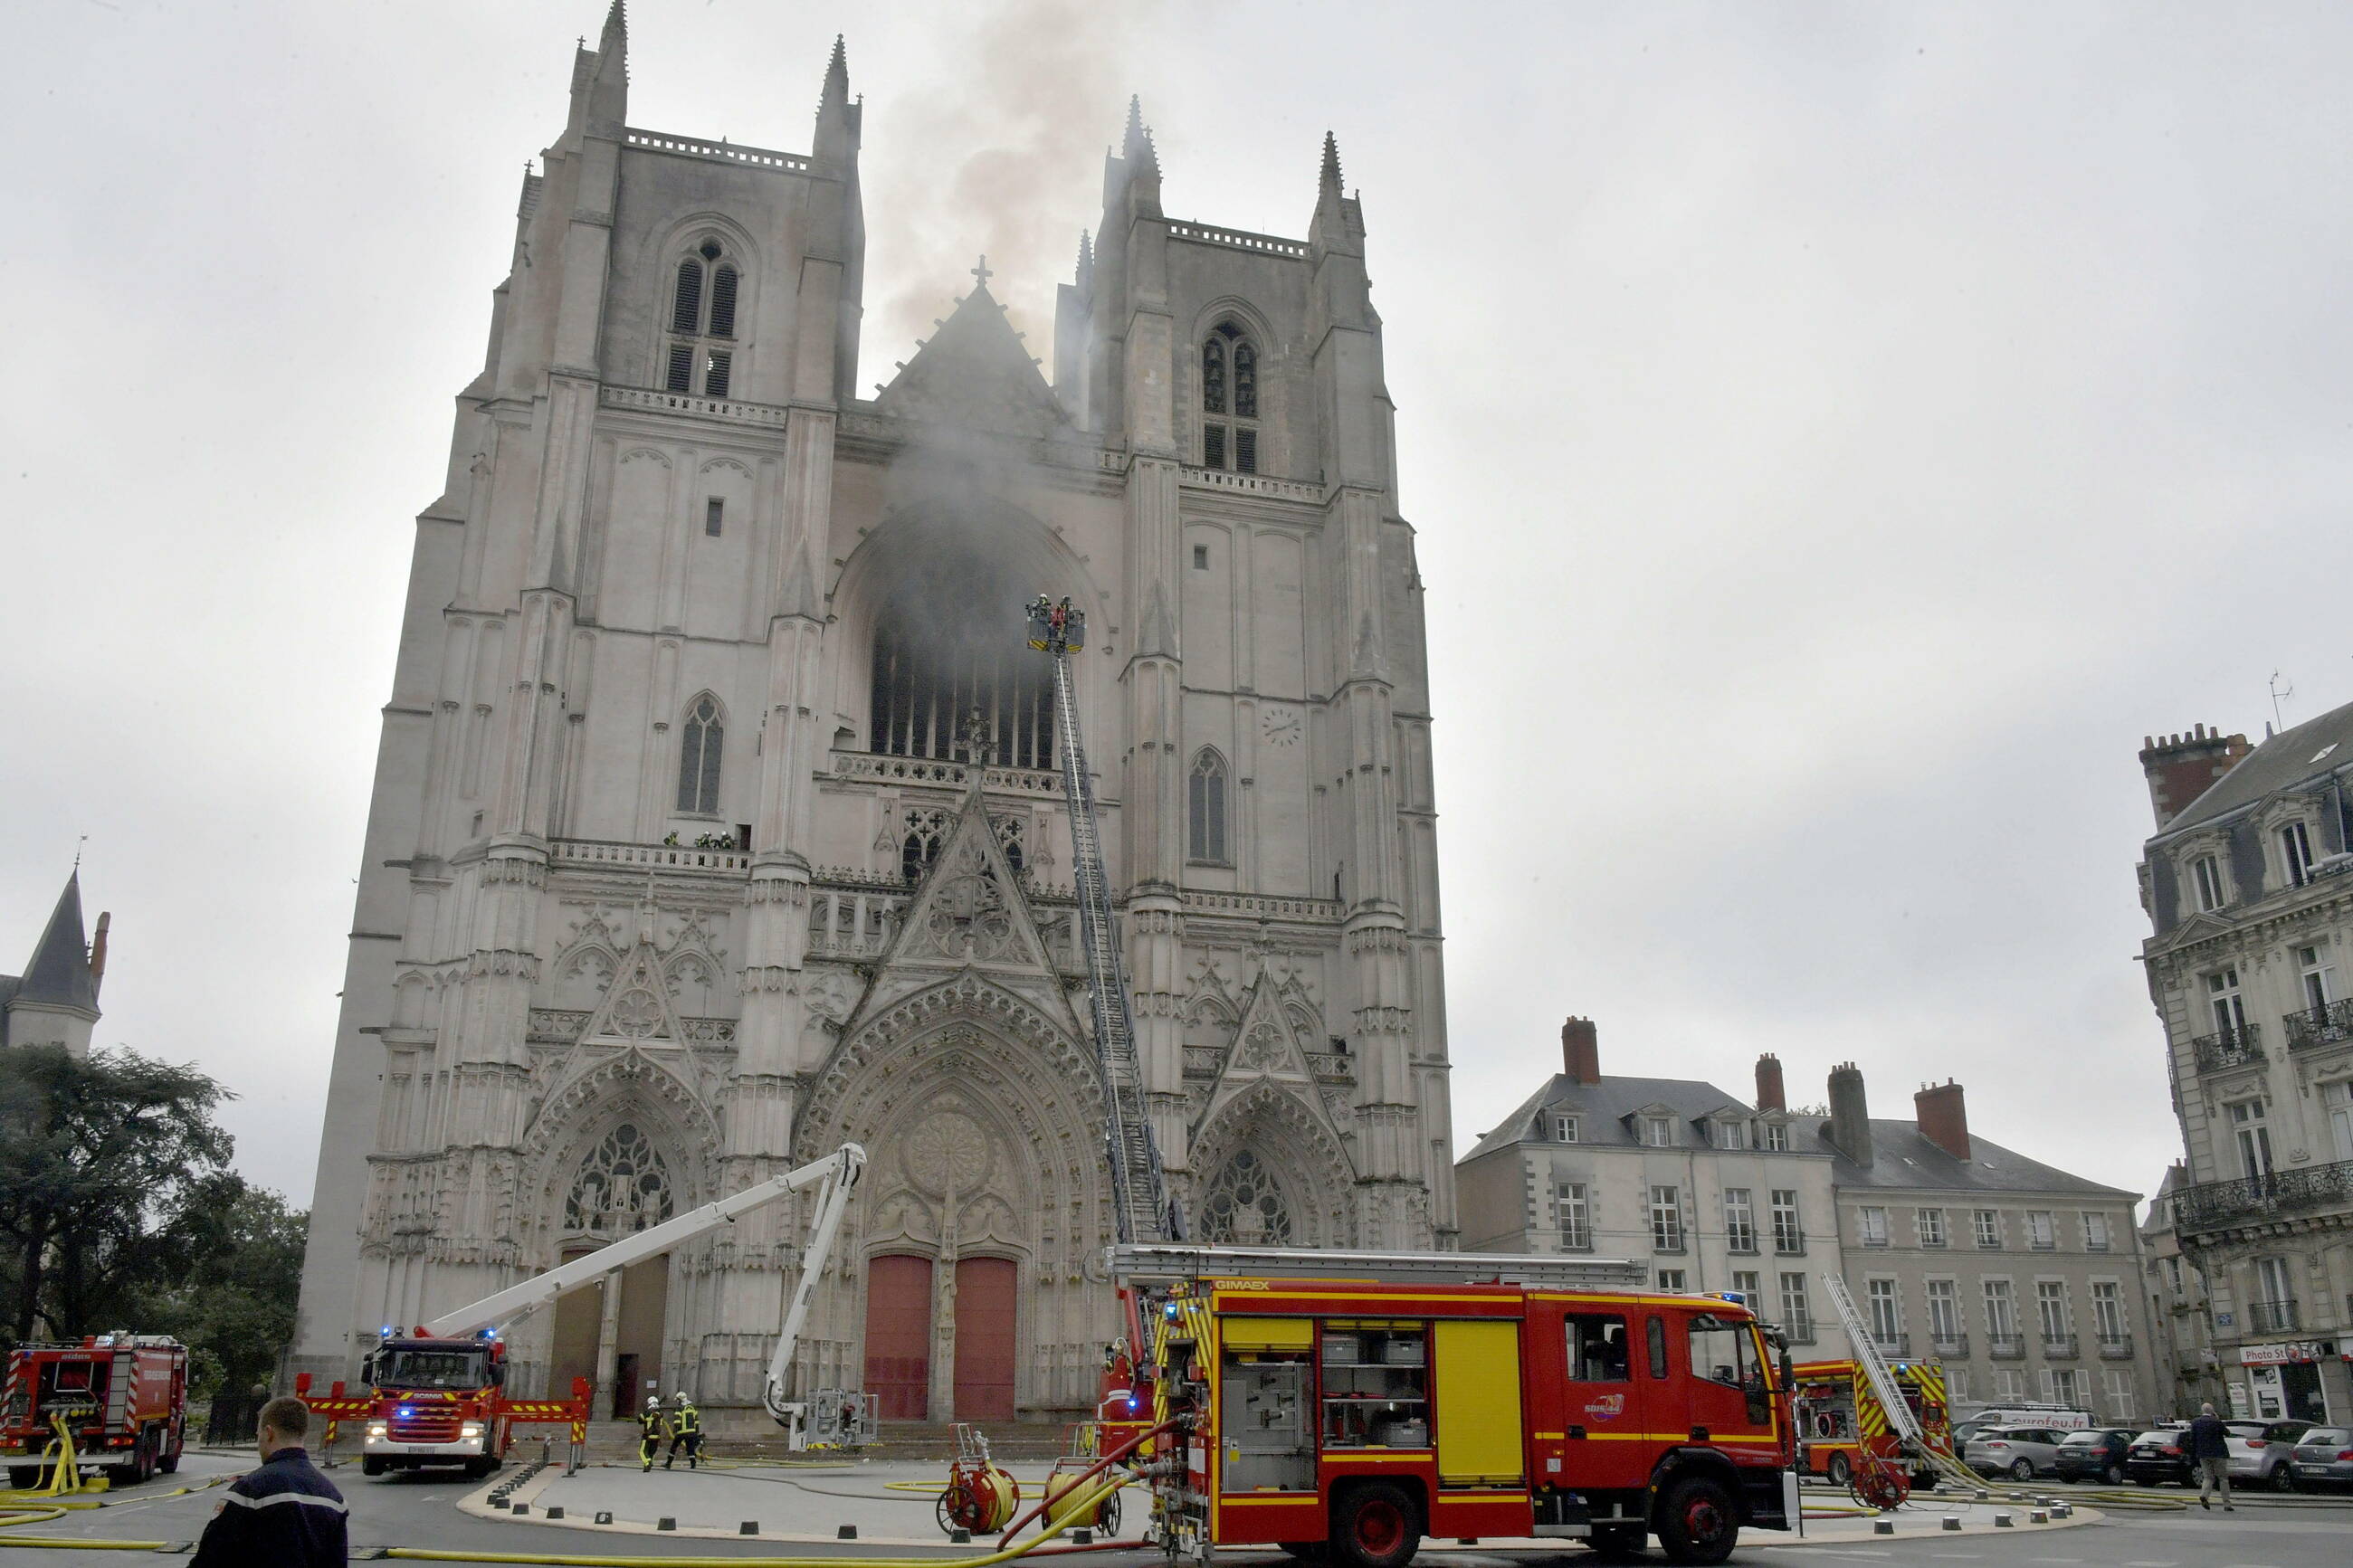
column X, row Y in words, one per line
column 1282, row 726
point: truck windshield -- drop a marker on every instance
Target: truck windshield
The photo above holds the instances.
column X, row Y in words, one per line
column 429, row 1368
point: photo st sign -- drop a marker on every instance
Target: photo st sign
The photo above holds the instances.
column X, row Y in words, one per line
column 2279, row 1354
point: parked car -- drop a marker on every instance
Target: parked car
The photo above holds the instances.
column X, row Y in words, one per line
column 2324, row 1459
column 2096, row 1454
column 2021, row 1453
column 2263, row 1452
column 2158, row 1457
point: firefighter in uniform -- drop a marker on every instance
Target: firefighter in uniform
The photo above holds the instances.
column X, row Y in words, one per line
column 685, row 1426
column 650, row 1431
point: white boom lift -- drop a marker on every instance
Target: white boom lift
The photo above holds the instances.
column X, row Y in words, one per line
column 834, row 1177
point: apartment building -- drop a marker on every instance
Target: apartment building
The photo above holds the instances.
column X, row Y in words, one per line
column 2180, row 1314
column 2251, row 914
column 1712, row 1192
column 2022, row 1280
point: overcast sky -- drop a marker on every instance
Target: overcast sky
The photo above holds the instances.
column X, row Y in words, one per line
column 1836, row 433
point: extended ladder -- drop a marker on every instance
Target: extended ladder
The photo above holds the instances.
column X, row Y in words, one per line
column 1900, row 1419
column 1140, row 1200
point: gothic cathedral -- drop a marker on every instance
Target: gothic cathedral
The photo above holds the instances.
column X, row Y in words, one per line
column 716, row 817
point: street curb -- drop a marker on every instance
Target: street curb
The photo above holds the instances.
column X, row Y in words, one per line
column 478, row 1505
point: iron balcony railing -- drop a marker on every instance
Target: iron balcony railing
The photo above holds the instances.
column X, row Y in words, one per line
column 1893, row 1344
column 2115, row 1347
column 2227, row 1048
column 2061, row 1347
column 2211, row 1205
column 1952, row 1347
column 2005, row 1347
column 2323, row 1025
column 2271, row 1317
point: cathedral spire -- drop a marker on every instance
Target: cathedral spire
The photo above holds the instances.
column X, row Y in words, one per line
column 836, row 77
column 1328, row 182
column 1133, row 141
column 614, row 38
column 837, row 116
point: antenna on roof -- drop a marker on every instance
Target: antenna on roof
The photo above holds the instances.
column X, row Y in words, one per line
column 2280, row 690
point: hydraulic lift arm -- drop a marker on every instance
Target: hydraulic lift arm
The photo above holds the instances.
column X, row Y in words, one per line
column 834, row 1176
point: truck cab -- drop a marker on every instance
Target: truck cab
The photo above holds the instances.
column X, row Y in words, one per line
column 433, row 1404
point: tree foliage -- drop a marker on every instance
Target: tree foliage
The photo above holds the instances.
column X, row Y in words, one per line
column 117, row 1210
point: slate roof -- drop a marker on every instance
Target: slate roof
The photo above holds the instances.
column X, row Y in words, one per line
column 2286, row 760
column 1602, row 1105
column 1903, row 1159
column 59, row 974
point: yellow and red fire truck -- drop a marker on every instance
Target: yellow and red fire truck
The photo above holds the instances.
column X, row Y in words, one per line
column 122, row 1398
column 1838, row 1418
column 1351, row 1403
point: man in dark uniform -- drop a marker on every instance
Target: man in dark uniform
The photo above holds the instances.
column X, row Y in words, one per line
column 2210, row 1455
column 650, row 1431
column 286, row 1513
column 685, row 1427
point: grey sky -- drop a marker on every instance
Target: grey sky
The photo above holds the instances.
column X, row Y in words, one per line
column 1837, row 434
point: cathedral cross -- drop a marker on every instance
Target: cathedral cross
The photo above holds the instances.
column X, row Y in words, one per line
column 982, row 272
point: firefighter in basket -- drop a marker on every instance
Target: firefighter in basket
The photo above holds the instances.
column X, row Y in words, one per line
column 651, row 1429
column 686, row 1428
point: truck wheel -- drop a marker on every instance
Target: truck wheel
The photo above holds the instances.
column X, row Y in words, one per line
column 1697, row 1522
column 167, row 1462
column 1375, row 1527
column 370, row 1465
column 1839, row 1471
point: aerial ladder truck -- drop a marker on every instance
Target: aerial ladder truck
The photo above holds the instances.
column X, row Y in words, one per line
column 437, row 1395
column 1140, row 1198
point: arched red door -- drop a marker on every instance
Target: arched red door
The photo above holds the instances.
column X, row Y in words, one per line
column 984, row 1338
column 899, row 1336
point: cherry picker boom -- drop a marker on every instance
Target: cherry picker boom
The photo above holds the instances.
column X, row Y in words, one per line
column 438, row 1393
column 1140, row 1203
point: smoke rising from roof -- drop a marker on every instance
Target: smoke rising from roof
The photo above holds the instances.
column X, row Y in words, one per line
column 1003, row 153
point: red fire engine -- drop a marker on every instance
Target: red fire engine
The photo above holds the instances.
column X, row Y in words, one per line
column 1353, row 1402
column 122, row 1398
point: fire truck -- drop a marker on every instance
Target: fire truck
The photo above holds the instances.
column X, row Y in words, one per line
column 1838, row 1418
column 1349, row 1404
column 438, row 1395
column 122, row 1398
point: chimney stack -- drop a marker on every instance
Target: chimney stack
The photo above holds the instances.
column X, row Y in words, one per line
column 98, row 952
column 1580, row 1051
column 1944, row 1119
column 2180, row 768
column 1769, row 1096
column 1849, row 1114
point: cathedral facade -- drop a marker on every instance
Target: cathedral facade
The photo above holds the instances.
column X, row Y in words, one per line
column 717, row 819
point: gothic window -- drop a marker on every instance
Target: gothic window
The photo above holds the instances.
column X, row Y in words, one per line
column 1244, row 1205
column 698, row 758
column 686, row 306
column 1229, row 389
column 948, row 683
column 702, row 308
column 622, row 1187
column 926, row 831
column 1205, row 802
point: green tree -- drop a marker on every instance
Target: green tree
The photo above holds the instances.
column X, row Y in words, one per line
column 233, row 1304
column 107, row 1163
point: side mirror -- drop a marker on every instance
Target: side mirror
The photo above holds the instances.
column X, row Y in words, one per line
column 367, row 1369
column 498, row 1374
